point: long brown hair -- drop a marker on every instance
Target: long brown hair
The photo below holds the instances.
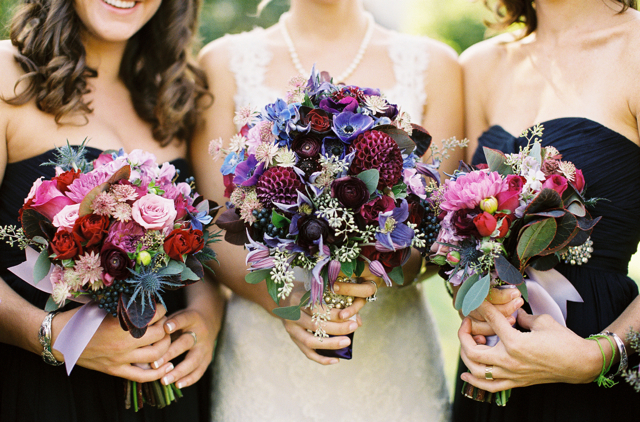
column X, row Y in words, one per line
column 523, row 11
column 157, row 67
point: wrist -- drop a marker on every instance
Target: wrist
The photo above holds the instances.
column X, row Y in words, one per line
column 593, row 361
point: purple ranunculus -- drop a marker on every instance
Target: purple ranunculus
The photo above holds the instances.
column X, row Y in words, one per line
column 350, row 192
column 348, row 125
column 248, row 172
column 312, row 231
column 306, row 145
column 394, row 234
column 115, row 262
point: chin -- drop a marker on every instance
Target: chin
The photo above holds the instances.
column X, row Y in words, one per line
column 115, row 20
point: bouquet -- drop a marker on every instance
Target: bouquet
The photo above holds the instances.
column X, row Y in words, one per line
column 632, row 375
column 114, row 233
column 322, row 185
column 520, row 215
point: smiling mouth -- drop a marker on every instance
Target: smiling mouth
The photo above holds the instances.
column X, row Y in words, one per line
column 120, row 4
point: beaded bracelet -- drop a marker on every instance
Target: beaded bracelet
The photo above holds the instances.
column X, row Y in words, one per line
column 602, row 380
column 624, row 358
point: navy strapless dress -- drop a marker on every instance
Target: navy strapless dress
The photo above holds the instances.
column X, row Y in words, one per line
column 31, row 390
column 611, row 167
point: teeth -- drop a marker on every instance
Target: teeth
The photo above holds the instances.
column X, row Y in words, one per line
column 120, row 4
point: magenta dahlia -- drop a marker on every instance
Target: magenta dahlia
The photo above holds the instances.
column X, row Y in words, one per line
column 377, row 150
column 278, row 184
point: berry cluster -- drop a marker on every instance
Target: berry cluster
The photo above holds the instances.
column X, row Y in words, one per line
column 264, row 225
column 430, row 228
column 107, row 297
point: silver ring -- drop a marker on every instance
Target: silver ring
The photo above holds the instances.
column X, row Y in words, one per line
column 195, row 337
column 488, row 373
column 373, row 297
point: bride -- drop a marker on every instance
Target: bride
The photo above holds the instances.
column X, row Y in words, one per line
column 397, row 365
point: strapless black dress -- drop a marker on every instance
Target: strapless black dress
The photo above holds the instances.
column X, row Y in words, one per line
column 31, row 390
column 611, row 167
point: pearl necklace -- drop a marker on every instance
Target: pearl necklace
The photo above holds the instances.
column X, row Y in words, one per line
column 356, row 60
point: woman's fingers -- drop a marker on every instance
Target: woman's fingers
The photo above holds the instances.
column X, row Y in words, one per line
column 307, row 343
column 502, row 296
column 493, row 386
column 364, row 289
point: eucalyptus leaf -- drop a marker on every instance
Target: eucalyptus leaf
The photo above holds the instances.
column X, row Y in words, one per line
column 566, row 230
column 476, row 295
column 535, row 238
column 41, row 267
column 51, row 305
column 523, row 290
column 188, row 274
column 40, row 240
column 272, row 288
column 370, row 178
column 348, row 268
column 497, row 161
column 172, row 268
column 289, row 312
column 547, row 199
column 536, row 152
column 576, row 208
column 464, row 288
column 397, row 275
column 255, row 277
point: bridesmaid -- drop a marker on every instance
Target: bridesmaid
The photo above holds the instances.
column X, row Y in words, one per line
column 572, row 68
column 120, row 73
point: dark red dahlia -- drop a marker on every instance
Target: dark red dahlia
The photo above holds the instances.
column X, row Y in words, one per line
column 278, row 184
column 377, row 150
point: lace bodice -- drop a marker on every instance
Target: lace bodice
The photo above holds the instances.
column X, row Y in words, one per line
column 250, row 58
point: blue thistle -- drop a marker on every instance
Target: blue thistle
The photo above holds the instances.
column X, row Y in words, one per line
column 71, row 158
column 149, row 283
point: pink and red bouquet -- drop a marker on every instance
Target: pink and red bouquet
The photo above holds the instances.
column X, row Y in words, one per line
column 518, row 216
column 327, row 182
column 114, row 233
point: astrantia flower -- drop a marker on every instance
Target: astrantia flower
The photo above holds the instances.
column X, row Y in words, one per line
column 104, row 204
column 348, row 125
column 122, row 212
column 286, row 158
column 265, row 153
column 393, row 234
column 403, row 121
column 61, row 292
column 568, row 170
column 376, row 104
column 248, row 206
column 468, row 190
column 246, row 116
column 89, row 270
column 124, row 192
column 237, row 143
column 215, row 148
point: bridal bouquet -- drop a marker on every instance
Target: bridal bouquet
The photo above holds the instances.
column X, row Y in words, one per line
column 632, row 375
column 113, row 233
column 326, row 183
column 523, row 214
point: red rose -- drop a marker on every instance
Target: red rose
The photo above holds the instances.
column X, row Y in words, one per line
column 319, row 120
column 485, row 223
column 416, row 212
column 90, row 229
column 63, row 180
column 579, row 182
column 64, row 245
column 509, row 200
column 507, row 219
column 181, row 242
column 371, row 209
column 556, row 182
column 463, row 222
column 389, row 260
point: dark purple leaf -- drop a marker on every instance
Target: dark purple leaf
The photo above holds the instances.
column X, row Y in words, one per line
column 567, row 229
column 421, row 138
column 544, row 263
column 402, row 138
column 586, row 223
column 551, row 213
column 31, row 223
column 507, row 272
column 194, row 265
column 234, row 226
column 547, row 199
column 135, row 318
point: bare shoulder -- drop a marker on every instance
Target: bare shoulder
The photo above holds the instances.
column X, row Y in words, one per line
column 9, row 68
column 487, row 53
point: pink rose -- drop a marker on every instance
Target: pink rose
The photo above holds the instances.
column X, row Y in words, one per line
column 579, row 182
column 67, row 217
column 556, row 182
column 48, row 200
column 510, row 199
column 154, row 212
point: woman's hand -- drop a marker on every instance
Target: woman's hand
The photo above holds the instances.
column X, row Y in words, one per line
column 114, row 351
column 548, row 353
column 340, row 324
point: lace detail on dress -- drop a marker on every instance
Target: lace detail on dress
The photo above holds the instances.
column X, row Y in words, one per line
column 410, row 57
column 249, row 58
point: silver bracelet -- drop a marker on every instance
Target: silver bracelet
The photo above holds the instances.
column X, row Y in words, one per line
column 624, row 358
column 44, row 336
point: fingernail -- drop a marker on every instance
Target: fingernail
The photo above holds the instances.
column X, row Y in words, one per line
column 520, row 302
column 515, row 294
column 170, row 326
column 344, row 343
column 168, row 379
column 353, row 326
column 336, row 287
column 169, row 368
column 334, row 361
column 180, row 385
column 157, row 364
column 464, row 377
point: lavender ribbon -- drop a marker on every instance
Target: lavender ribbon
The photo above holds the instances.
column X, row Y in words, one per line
column 548, row 292
column 75, row 336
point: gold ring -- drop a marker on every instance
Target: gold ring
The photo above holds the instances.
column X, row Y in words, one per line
column 488, row 373
column 195, row 337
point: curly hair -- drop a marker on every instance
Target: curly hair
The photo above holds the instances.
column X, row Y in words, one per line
column 524, row 11
column 157, row 67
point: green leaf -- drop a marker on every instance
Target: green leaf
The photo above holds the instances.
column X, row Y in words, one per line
column 370, row 178
column 576, row 208
column 464, row 288
column 348, row 268
column 506, row 271
column 188, row 274
column 535, row 238
column 279, row 220
column 497, row 161
column 476, row 295
column 173, row 268
column 523, row 290
column 272, row 288
column 397, row 275
column 289, row 312
column 51, row 305
column 359, row 267
column 536, row 152
column 399, row 191
column 567, row 230
column 255, row 277
column 40, row 240
column 42, row 267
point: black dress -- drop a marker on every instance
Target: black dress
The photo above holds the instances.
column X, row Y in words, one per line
column 611, row 167
column 31, row 390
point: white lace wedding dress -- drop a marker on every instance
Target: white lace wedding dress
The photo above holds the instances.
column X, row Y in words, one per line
column 396, row 373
